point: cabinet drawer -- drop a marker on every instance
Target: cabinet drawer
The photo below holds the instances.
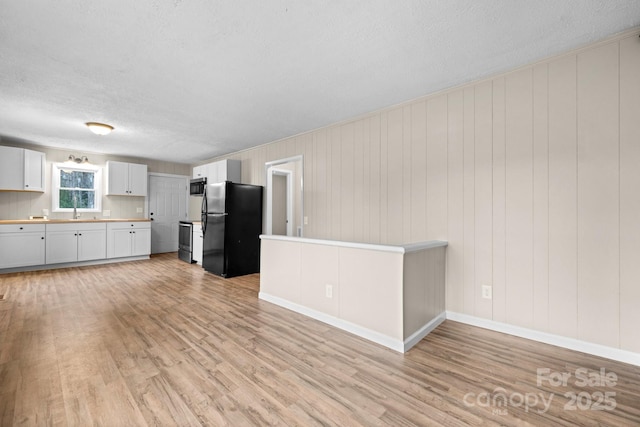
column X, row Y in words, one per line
column 19, row 228
column 134, row 225
column 73, row 226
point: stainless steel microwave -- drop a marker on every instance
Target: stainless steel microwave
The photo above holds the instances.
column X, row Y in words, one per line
column 197, row 186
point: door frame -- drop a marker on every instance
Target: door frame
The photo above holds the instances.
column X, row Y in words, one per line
column 289, row 199
column 186, row 179
column 268, row 218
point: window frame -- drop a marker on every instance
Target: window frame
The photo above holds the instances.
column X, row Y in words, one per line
column 55, row 184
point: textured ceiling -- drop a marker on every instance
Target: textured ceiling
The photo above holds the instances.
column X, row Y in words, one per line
column 189, row 80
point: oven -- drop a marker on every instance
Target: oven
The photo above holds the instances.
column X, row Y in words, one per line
column 185, row 241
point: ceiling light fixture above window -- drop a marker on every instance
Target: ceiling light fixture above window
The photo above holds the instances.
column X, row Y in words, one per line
column 99, row 128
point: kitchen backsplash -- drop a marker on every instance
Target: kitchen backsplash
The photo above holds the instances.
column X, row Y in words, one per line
column 21, row 205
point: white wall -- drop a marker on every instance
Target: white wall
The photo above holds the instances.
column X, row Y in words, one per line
column 20, row 205
column 531, row 176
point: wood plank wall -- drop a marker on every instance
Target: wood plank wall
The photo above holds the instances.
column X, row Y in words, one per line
column 531, row 176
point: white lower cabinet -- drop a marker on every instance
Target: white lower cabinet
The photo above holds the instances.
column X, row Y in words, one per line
column 197, row 244
column 27, row 245
column 22, row 245
column 125, row 239
column 75, row 242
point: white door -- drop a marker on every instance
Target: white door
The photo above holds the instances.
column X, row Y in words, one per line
column 167, row 206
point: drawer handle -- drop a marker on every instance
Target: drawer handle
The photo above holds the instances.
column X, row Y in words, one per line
column 21, row 228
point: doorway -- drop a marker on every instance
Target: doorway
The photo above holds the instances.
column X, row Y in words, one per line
column 168, row 196
column 281, row 203
column 284, row 197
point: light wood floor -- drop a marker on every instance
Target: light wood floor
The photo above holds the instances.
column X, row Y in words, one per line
column 161, row 342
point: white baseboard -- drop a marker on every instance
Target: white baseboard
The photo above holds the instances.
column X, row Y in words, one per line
column 557, row 340
column 402, row 347
column 360, row 331
column 424, row 331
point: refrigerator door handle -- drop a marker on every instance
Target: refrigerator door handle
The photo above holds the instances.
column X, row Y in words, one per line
column 204, row 210
column 219, row 214
column 204, row 201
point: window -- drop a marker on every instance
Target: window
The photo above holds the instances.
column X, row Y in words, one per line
column 76, row 186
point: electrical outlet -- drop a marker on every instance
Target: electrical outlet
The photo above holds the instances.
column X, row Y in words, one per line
column 45, row 212
column 328, row 291
column 139, row 210
column 106, row 213
column 306, row 220
column 486, row 292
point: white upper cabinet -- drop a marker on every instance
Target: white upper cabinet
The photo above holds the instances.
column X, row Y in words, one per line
column 21, row 169
column 11, row 168
column 137, row 179
column 126, row 179
column 223, row 170
column 199, row 171
column 34, row 162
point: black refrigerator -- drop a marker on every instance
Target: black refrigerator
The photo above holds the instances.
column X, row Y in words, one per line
column 231, row 226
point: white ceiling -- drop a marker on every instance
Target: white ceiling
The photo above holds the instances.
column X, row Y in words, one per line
column 189, row 80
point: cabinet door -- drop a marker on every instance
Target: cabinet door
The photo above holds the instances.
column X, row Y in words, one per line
column 197, row 244
column 92, row 244
column 199, row 171
column 61, row 246
column 119, row 243
column 21, row 249
column 141, row 242
column 11, row 168
column 117, row 178
column 34, row 162
column 212, row 173
column 137, row 180
column 221, row 175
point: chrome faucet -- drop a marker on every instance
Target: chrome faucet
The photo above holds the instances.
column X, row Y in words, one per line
column 75, row 204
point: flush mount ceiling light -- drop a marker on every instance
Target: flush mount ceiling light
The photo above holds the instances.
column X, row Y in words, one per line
column 81, row 159
column 99, row 128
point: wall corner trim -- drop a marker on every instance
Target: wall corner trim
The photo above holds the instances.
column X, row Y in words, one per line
column 417, row 336
column 557, row 340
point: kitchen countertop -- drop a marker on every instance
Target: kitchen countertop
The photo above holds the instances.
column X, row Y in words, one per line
column 64, row 221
